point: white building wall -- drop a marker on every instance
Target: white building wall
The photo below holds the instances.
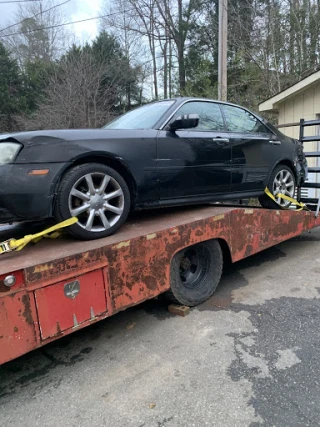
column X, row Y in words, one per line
column 305, row 105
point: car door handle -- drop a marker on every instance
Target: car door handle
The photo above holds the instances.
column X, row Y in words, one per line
column 274, row 142
column 220, row 139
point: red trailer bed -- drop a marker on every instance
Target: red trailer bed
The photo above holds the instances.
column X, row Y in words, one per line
column 63, row 285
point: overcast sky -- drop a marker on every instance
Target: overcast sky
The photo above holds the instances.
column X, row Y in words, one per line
column 75, row 10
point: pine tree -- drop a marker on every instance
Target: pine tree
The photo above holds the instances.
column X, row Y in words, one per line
column 11, row 91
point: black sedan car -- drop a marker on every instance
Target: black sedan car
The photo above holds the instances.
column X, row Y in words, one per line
column 173, row 152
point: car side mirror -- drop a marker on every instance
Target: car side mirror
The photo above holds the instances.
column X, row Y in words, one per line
column 186, row 121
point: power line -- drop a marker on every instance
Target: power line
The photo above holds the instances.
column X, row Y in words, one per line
column 37, row 14
column 63, row 25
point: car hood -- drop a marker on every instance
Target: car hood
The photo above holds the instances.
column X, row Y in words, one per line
column 55, row 136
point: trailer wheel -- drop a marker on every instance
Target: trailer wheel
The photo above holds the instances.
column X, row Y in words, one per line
column 195, row 273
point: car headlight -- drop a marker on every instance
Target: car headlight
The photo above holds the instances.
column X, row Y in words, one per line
column 8, row 152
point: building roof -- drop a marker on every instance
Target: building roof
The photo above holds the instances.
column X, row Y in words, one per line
column 272, row 104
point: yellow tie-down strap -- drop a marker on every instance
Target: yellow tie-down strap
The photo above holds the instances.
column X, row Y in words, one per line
column 51, row 233
column 300, row 206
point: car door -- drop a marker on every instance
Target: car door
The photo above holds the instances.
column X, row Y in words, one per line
column 252, row 153
column 195, row 162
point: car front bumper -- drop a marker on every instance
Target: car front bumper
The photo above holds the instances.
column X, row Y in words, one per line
column 27, row 197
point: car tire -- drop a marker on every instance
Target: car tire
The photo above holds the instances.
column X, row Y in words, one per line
column 195, row 273
column 97, row 195
column 276, row 185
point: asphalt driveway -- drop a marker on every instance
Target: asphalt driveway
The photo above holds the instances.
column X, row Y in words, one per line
column 247, row 357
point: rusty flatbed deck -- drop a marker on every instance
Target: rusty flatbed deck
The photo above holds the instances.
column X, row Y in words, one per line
column 140, row 224
column 65, row 284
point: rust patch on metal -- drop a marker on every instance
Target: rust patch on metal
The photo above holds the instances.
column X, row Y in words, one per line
column 174, row 230
column 27, row 314
column 151, row 282
column 41, row 268
column 142, row 270
column 249, row 250
column 66, row 267
column 59, row 332
column 266, row 228
column 3, row 287
column 129, row 297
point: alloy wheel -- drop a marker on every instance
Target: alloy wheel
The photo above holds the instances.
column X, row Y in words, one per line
column 97, row 200
column 284, row 183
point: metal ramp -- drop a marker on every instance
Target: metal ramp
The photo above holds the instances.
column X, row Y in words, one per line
column 312, row 203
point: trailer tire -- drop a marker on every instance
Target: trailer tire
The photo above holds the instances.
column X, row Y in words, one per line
column 195, row 273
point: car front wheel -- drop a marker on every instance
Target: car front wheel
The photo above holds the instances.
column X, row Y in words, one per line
column 281, row 181
column 97, row 195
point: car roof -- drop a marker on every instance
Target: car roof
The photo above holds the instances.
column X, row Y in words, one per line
column 190, row 98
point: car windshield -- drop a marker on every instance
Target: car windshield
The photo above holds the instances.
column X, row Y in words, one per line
column 142, row 118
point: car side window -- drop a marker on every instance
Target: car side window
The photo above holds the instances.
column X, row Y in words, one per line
column 239, row 120
column 210, row 116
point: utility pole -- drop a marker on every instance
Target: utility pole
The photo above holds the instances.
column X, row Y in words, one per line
column 223, row 45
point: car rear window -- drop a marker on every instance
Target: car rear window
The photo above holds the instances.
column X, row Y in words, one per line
column 239, row 120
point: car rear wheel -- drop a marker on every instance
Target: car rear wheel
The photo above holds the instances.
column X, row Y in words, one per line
column 282, row 181
column 195, row 273
column 98, row 196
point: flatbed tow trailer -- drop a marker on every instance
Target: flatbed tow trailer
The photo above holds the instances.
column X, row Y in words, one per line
column 56, row 287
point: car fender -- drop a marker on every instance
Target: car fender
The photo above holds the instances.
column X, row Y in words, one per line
column 284, row 161
column 96, row 157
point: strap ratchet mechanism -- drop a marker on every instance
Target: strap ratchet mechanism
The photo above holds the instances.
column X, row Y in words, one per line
column 51, row 233
column 5, row 246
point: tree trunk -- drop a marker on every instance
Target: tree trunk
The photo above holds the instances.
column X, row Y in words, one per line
column 153, row 54
column 165, row 65
column 180, row 48
column 292, row 39
column 170, row 68
column 154, row 63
